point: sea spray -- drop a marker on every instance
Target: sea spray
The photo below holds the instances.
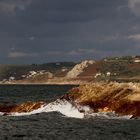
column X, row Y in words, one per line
column 62, row 106
column 68, row 109
column 107, row 100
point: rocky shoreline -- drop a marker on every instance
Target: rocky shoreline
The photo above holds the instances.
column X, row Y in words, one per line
column 121, row 98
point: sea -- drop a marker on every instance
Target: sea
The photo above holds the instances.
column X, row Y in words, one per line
column 56, row 125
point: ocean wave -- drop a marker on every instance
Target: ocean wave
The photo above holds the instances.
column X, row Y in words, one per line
column 108, row 115
column 103, row 100
column 64, row 107
column 69, row 109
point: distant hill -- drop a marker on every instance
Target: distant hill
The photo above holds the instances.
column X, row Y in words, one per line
column 17, row 71
column 108, row 69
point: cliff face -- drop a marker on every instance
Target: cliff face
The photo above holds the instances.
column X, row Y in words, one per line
column 123, row 98
column 79, row 68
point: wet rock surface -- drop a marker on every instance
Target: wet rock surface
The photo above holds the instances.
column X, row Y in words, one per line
column 24, row 107
column 123, row 98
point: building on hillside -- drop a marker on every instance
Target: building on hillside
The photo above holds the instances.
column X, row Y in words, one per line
column 137, row 59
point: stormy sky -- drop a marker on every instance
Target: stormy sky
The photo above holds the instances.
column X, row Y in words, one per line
column 39, row 31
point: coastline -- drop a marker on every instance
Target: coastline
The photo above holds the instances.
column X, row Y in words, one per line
column 121, row 98
column 75, row 84
column 57, row 81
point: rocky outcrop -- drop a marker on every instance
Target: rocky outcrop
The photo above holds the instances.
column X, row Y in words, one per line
column 25, row 107
column 79, row 68
column 123, row 98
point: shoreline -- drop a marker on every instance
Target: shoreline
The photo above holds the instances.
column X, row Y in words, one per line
column 57, row 84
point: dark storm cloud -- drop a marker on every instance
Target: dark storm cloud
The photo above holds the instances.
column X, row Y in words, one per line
column 57, row 30
column 65, row 11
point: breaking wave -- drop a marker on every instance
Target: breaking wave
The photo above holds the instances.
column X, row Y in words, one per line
column 67, row 109
column 96, row 100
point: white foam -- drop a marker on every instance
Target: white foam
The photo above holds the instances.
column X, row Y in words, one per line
column 68, row 109
column 65, row 108
column 107, row 115
column 39, row 110
column 1, row 113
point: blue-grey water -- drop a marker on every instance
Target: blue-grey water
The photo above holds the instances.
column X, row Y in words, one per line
column 54, row 126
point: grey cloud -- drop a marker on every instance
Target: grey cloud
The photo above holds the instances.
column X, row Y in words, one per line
column 134, row 5
column 65, row 11
column 135, row 37
column 10, row 6
column 21, row 54
column 78, row 28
